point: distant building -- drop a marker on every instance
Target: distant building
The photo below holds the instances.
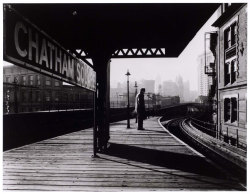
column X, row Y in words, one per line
column 180, row 85
column 158, row 84
column 119, row 96
column 193, row 95
column 149, row 85
column 167, row 101
column 28, row 91
column 204, row 81
column 186, row 92
column 170, row 88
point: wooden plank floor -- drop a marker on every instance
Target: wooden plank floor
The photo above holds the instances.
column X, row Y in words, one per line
column 149, row 160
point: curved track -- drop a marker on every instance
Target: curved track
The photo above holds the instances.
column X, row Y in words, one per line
column 222, row 156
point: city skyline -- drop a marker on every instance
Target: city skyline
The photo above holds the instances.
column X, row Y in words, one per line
column 166, row 68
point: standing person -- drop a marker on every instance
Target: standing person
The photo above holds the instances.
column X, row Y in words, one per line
column 140, row 108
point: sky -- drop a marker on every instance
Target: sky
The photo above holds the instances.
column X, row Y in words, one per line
column 167, row 68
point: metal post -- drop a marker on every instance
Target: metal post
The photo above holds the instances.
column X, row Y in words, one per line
column 15, row 96
column 237, row 138
column 135, row 99
column 128, row 119
column 94, row 126
column 227, row 135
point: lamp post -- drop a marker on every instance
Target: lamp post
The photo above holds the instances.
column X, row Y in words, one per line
column 135, row 98
column 128, row 121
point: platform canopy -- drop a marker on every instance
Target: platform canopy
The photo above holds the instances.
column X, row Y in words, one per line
column 106, row 28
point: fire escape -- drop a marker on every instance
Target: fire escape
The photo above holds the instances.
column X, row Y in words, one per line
column 210, row 67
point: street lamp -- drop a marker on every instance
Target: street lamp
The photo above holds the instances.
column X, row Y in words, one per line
column 135, row 98
column 128, row 121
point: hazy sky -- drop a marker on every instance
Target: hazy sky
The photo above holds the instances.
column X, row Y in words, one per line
column 167, row 68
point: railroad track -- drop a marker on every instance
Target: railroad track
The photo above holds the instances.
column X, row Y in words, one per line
column 232, row 160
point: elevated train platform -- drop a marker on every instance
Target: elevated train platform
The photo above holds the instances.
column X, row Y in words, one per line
column 148, row 160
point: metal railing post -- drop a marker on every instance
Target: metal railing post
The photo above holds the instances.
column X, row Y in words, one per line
column 237, row 138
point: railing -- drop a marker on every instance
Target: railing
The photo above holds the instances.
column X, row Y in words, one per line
column 205, row 127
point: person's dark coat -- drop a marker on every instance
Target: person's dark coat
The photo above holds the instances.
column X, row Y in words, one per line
column 141, row 106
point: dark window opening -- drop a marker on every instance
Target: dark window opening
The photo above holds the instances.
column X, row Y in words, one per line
column 226, row 109
column 234, row 110
column 230, row 110
column 233, row 71
column 227, row 73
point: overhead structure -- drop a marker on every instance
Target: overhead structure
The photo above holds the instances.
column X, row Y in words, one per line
column 105, row 31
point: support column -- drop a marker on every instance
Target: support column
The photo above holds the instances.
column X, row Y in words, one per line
column 102, row 106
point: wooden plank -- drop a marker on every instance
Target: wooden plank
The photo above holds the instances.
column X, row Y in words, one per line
column 92, row 189
column 64, row 163
column 121, row 183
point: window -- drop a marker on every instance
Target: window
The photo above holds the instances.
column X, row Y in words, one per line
column 38, row 80
column 57, row 83
column 48, row 81
column 16, row 80
column 231, row 71
column 230, row 36
column 38, row 97
column 31, row 80
column 24, row 80
column 48, row 96
column 227, row 38
column 227, row 73
column 30, row 96
column 57, row 96
column 227, row 109
column 23, row 96
column 8, row 79
column 234, row 109
column 230, row 110
column 233, row 34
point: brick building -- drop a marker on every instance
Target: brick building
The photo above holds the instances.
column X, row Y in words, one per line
column 27, row 91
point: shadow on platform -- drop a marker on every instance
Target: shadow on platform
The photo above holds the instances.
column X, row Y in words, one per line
column 183, row 162
column 164, row 132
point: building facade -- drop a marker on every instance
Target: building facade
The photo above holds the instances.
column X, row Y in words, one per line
column 231, row 74
column 27, row 91
column 170, row 88
column 204, row 81
column 149, row 85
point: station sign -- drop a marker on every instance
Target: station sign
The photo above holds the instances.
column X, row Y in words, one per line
column 28, row 46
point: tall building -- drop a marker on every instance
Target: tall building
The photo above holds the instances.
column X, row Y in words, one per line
column 149, row 85
column 204, row 81
column 186, row 92
column 158, row 84
column 179, row 82
column 170, row 88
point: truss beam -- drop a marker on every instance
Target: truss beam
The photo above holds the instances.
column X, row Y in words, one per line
column 140, row 53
